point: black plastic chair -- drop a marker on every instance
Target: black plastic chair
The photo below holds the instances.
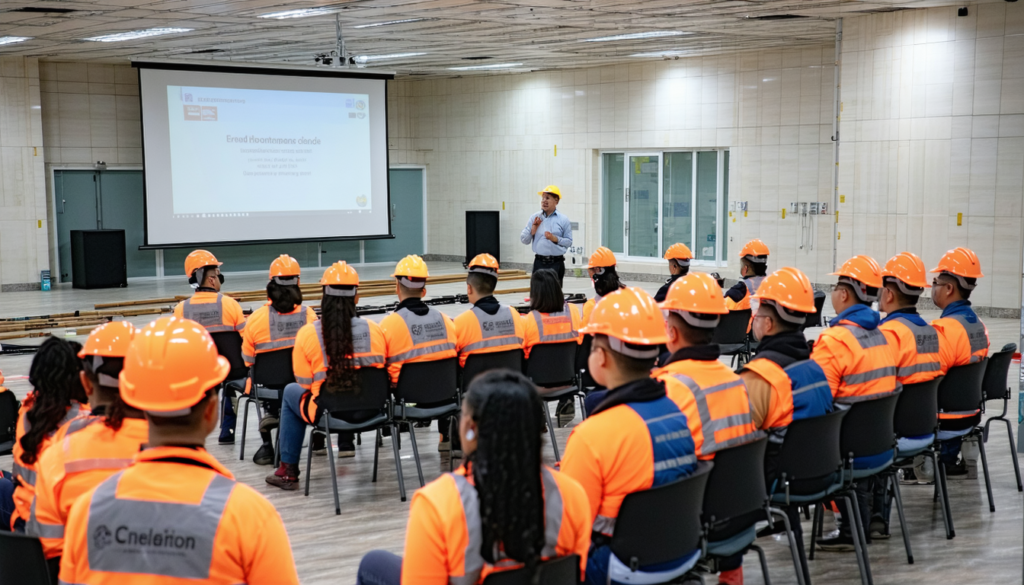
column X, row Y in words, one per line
column 913, row 418
column 478, row 363
column 961, row 391
column 373, row 394
column 427, row 383
column 814, row 319
column 994, row 387
column 586, row 381
column 557, row 571
column 270, row 373
column 229, row 345
column 552, row 367
column 731, row 336
column 735, row 499
column 22, row 560
column 9, row 406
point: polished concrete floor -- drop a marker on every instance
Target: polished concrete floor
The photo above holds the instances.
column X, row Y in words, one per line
column 327, row 548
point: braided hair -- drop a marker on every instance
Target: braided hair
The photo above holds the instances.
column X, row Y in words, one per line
column 54, row 376
column 506, row 466
column 336, row 314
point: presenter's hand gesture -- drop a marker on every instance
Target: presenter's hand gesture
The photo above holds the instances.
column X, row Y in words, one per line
column 551, row 237
column 536, row 224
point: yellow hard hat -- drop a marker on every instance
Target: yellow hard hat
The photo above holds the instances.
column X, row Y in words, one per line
column 553, row 189
column 411, row 271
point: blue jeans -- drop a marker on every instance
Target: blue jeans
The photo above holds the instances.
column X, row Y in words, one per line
column 293, row 426
column 379, row 567
column 949, row 450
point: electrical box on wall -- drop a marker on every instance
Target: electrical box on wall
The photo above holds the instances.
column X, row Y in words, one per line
column 794, row 207
column 823, row 207
column 814, row 208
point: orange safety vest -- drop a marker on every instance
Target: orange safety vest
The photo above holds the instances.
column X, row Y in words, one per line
column 715, row 402
column 411, row 338
column 85, row 452
column 915, row 348
column 752, row 283
column 175, row 516
column 478, row 332
column 860, row 364
column 267, row 330
column 551, row 327
column 445, row 534
column 588, row 308
column 25, row 474
column 798, row 391
column 960, row 343
column 214, row 311
column 310, row 361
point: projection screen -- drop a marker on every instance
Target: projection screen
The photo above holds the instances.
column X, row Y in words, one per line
column 257, row 153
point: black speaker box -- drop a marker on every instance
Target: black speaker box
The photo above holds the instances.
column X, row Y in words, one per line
column 482, row 235
column 98, row 259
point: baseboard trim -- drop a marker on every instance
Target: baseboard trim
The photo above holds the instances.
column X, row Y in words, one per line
column 20, row 287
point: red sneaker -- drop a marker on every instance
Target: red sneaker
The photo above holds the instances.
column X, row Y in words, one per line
column 286, row 477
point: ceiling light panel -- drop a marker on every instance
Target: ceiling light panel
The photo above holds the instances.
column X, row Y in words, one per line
column 12, row 40
column 637, row 36
column 137, row 34
column 390, row 22
column 368, row 58
column 298, row 13
column 492, row 66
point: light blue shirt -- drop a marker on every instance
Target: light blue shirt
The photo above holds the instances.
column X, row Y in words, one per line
column 558, row 225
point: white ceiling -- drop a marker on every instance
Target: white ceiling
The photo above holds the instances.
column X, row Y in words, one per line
column 540, row 34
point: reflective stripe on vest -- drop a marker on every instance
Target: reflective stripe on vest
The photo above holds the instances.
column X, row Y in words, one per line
column 361, row 344
column 497, row 330
column 867, row 338
column 41, row 529
column 562, row 317
column 675, row 454
column 283, row 329
column 155, row 538
column 800, row 391
column 926, row 339
column 976, row 335
column 209, row 315
column 473, row 562
column 710, row 426
column 752, row 284
column 428, row 328
column 27, row 475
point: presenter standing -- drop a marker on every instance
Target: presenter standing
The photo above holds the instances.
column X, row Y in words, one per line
column 549, row 232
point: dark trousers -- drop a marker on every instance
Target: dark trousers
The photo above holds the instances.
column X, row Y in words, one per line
column 380, row 567
column 556, row 263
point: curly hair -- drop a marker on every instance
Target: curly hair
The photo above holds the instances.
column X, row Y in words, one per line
column 506, row 466
column 54, row 376
column 284, row 298
column 336, row 314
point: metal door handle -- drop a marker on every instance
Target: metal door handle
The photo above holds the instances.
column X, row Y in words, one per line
column 63, row 202
column 394, row 211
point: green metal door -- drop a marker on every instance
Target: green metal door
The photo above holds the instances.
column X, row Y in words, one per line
column 406, row 219
column 75, row 197
column 121, row 208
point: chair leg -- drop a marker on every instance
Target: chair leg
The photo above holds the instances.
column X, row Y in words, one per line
column 988, row 481
column 1013, row 455
column 277, row 444
column 819, row 519
column 245, row 424
column 334, row 475
column 451, row 437
column 854, row 521
column 398, row 460
column 807, row 513
column 942, row 491
column 551, row 431
column 309, row 462
column 764, row 563
column 376, row 455
column 416, row 453
column 895, row 486
column 799, row 562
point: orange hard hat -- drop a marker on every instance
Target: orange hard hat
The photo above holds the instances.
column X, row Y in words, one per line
column 754, row 249
column 340, row 274
column 697, row 292
column 907, row 270
column 863, row 269
column 789, row 289
column 602, row 258
column 170, row 365
column 484, row 264
column 199, row 259
column 109, row 340
column 678, row 252
column 411, row 267
column 632, row 316
column 285, row 270
column 961, row 262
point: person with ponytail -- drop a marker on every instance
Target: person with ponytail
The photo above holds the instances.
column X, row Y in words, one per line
column 91, row 448
column 57, row 397
column 272, row 327
column 327, row 351
column 501, row 510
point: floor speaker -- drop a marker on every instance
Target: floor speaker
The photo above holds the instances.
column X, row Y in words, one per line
column 482, row 235
column 98, row 259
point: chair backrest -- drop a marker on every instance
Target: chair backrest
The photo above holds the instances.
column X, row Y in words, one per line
column 917, row 409
column 994, row 385
column 552, row 363
column 814, row 319
column 811, row 447
column 428, row 382
column 22, row 560
column 374, row 386
column 9, row 406
column 273, row 369
column 868, row 427
column 960, row 389
column 557, row 571
column 732, row 328
column 663, row 523
column 478, row 363
column 736, row 484
column 582, row 365
column 229, row 345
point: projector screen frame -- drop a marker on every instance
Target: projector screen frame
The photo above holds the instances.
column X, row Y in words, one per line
column 257, row 69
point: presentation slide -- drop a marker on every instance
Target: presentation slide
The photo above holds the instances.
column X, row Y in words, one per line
column 263, row 155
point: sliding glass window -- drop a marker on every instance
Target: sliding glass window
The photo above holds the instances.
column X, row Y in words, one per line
column 651, row 200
